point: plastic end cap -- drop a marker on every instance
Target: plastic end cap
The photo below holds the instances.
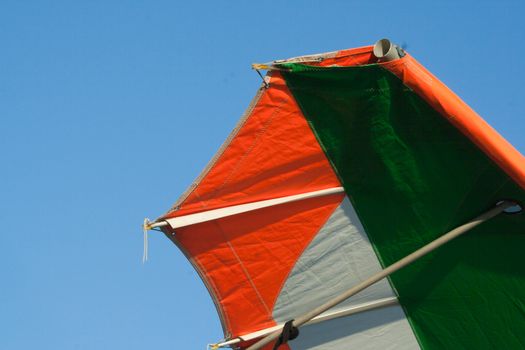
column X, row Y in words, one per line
column 384, row 50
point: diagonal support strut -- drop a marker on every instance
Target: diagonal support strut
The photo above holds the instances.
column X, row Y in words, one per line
column 447, row 237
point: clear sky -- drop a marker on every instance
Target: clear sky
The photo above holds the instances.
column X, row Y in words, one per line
column 109, row 109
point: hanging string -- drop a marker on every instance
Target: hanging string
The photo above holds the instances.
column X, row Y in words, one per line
column 145, row 228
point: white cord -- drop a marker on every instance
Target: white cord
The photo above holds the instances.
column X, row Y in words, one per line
column 145, row 228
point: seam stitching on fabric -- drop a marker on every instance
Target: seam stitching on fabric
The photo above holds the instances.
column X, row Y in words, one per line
column 256, row 140
column 249, row 277
column 220, row 151
column 246, row 273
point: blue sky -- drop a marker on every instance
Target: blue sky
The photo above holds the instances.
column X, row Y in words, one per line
column 109, row 109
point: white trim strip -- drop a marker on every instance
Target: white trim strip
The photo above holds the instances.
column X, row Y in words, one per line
column 214, row 214
column 321, row 318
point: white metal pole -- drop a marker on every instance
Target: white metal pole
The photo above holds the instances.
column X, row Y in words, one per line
column 299, row 321
column 196, row 218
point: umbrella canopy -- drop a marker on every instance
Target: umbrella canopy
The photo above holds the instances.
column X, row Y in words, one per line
column 341, row 166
